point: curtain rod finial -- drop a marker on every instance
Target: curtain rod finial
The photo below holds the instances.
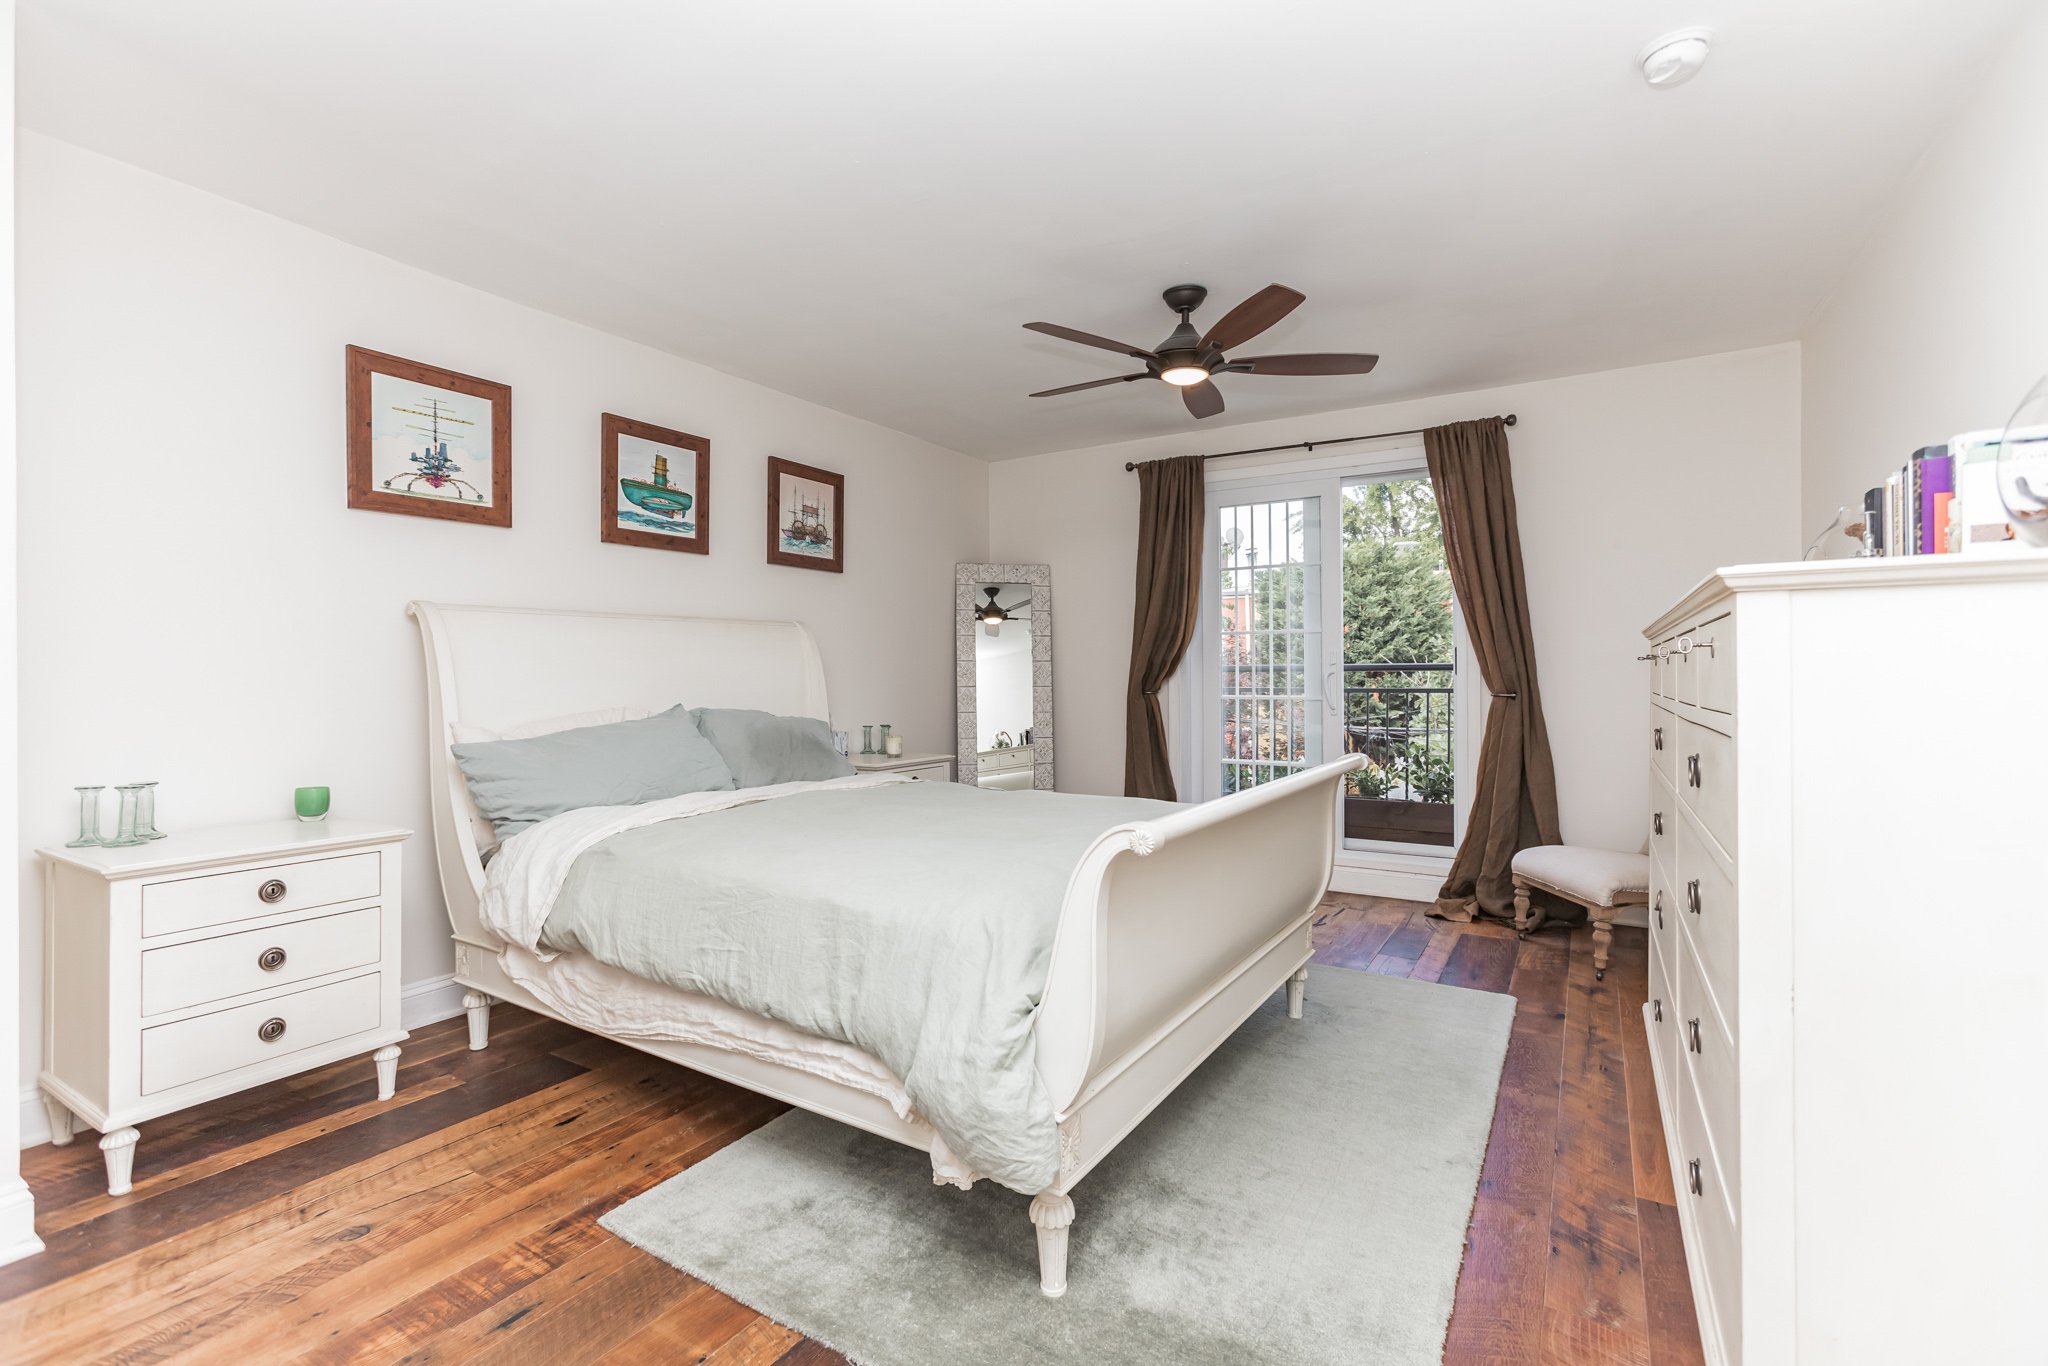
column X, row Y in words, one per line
column 1508, row 421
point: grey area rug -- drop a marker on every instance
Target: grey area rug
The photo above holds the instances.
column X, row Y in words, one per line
column 1302, row 1197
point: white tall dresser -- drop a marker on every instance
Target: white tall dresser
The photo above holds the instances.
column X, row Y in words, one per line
column 1849, row 965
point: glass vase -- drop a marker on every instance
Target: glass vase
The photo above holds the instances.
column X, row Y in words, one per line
column 124, row 832
column 867, row 739
column 88, row 816
column 145, row 812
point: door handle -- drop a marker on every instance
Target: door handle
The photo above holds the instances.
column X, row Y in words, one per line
column 1333, row 690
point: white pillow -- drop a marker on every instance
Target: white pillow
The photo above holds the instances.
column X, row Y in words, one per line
column 460, row 734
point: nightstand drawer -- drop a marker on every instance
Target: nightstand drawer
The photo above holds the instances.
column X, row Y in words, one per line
column 928, row 773
column 207, row 1045
column 236, row 964
column 222, row 898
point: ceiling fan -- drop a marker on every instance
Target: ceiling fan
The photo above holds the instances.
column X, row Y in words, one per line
column 1190, row 360
column 990, row 615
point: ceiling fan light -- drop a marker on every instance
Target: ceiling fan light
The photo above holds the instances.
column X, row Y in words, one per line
column 991, row 626
column 1184, row 375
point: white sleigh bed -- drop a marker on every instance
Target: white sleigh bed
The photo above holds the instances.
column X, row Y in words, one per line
column 1172, row 931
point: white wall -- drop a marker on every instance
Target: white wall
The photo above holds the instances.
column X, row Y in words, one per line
column 1631, row 485
column 1941, row 326
column 207, row 612
column 17, row 1210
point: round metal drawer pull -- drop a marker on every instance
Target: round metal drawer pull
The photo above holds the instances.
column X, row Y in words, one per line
column 1693, row 1182
column 270, row 960
column 271, row 892
column 271, row 1030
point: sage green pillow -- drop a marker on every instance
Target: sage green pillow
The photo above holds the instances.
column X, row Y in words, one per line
column 520, row 783
column 762, row 748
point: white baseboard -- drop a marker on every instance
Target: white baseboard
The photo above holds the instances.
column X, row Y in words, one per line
column 419, row 1003
column 1410, row 877
column 17, row 1223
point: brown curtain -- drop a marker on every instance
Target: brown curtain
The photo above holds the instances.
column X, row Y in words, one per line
column 1170, row 514
column 1514, row 805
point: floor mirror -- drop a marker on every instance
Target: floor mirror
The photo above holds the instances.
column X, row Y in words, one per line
column 1003, row 626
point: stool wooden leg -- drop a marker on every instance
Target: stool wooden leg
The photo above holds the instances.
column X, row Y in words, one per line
column 1603, row 935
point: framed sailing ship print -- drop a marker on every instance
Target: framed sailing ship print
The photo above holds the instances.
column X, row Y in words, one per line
column 428, row 442
column 806, row 516
column 657, row 487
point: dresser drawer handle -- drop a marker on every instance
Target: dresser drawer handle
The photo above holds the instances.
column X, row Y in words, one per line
column 1692, row 896
column 1657, row 821
column 1692, row 1029
column 271, row 1030
column 270, row 960
column 1692, row 1177
column 1692, row 770
column 1657, row 738
column 1657, row 1011
column 271, row 892
column 1660, row 908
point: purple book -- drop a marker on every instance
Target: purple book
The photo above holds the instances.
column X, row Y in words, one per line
column 1937, row 475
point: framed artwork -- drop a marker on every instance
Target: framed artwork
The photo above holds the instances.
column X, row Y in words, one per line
column 806, row 516
column 428, row 442
column 657, row 487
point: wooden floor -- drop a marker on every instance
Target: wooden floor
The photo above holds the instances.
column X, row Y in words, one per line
column 307, row 1221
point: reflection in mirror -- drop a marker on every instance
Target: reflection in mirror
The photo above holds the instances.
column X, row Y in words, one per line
column 1002, row 680
column 1004, row 624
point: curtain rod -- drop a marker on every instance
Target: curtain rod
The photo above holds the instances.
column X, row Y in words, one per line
column 1130, row 465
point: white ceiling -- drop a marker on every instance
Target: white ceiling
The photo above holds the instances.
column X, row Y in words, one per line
column 860, row 203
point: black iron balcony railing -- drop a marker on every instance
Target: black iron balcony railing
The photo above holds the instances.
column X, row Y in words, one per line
column 1398, row 715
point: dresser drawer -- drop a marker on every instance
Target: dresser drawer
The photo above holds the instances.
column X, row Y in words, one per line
column 1664, row 673
column 1707, row 914
column 1664, row 907
column 1663, row 740
column 1706, row 779
column 1663, row 1017
column 1716, row 1248
column 207, row 1045
column 927, row 773
column 233, row 964
column 1709, row 1052
column 1712, row 663
column 1663, row 811
column 223, row 898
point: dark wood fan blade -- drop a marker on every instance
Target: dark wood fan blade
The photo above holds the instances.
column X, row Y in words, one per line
column 1329, row 363
column 1089, row 339
column 1253, row 316
column 1087, row 384
column 1203, row 400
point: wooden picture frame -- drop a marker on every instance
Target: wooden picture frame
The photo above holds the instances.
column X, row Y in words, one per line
column 796, row 522
column 662, row 508
column 395, row 405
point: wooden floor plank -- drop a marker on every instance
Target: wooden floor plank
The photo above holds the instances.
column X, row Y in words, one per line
column 1629, row 970
column 1594, row 1313
column 1498, row 1314
column 306, row 1220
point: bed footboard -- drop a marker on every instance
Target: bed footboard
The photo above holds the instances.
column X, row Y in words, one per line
column 1172, row 933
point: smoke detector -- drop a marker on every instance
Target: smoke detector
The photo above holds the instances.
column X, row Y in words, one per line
column 1675, row 58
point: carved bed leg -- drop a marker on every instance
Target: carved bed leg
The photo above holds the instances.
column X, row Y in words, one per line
column 61, row 1120
column 1297, row 987
column 1053, row 1214
column 118, row 1147
column 386, row 1059
column 479, row 1007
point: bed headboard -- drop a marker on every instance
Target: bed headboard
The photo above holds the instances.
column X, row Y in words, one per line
column 503, row 666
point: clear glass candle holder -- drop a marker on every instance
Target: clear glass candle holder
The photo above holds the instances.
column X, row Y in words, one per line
column 124, row 832
column 88, row 817
column 145, row 812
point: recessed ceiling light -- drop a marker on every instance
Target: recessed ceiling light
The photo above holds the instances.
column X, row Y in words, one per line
column 1675, row 58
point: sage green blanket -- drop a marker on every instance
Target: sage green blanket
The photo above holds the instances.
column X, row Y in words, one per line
column 913, row 920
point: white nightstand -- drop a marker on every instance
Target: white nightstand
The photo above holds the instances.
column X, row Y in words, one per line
column 201, row 964
column 930, row 768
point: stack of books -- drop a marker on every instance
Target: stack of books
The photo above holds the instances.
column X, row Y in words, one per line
column 1911, row 512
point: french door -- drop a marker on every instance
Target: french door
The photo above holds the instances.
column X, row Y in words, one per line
column 1328, row 629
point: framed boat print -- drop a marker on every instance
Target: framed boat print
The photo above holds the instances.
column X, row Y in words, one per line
column 428, row 442
column 806, row 516
column 657, row 487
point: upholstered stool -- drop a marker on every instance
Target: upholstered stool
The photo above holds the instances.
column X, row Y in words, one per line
column 1599, row 879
